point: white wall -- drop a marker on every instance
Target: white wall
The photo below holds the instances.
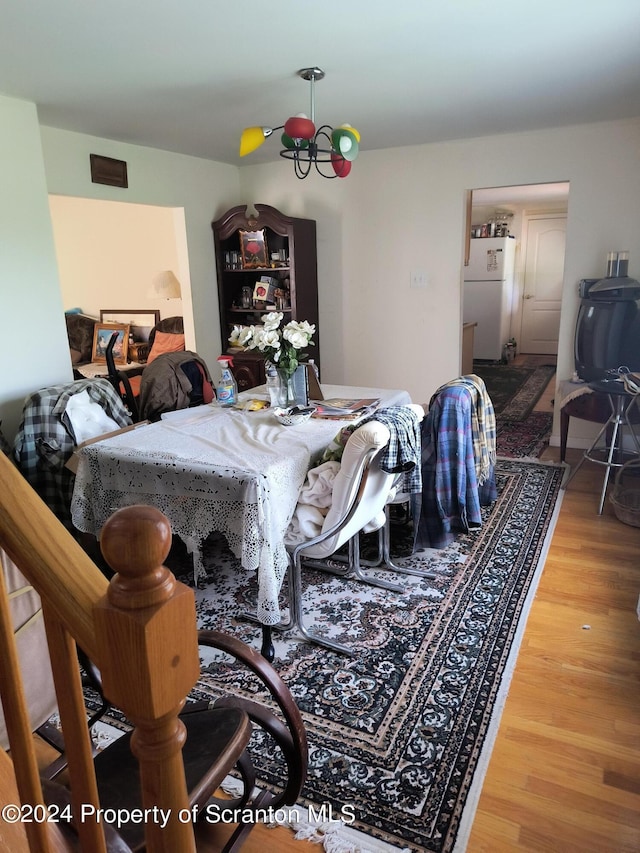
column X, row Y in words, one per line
column 33, row 345
column 402, row 210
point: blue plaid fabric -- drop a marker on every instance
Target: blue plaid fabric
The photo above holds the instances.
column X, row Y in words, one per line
column 483, row 423
column 45, row 439
column 458, row 457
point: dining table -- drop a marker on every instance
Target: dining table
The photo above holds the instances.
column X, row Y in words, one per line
column 230, row 470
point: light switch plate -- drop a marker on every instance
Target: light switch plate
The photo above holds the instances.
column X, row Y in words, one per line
column 419, row 279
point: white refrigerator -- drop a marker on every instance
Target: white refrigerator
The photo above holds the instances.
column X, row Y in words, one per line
column 488, row 294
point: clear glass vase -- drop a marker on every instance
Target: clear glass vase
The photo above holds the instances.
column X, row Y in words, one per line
column 286, row 393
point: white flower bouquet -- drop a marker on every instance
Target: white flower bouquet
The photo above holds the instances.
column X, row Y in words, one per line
column 282, row 346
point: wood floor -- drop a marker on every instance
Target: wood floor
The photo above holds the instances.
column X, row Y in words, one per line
column 565, row 770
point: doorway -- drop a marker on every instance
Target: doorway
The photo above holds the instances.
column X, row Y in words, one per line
column 112, row 255
column 535, row 217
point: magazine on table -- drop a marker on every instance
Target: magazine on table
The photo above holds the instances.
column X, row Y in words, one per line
column 344, row 408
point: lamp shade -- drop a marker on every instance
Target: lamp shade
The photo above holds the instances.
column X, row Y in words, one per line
column 299, row 127
column 353, row 130
column 341, row 166
column 344, row 142
column 290, row 143
column 252, row 138
column 167, row 286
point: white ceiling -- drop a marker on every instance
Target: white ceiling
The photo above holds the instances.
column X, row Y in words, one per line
column 188, row 76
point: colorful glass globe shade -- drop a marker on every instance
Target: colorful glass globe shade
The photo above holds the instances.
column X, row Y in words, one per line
column 344, row 142
column 341, row 166
column 355, row 132
column 290, row 143
column 299, row 127
column 252, row 138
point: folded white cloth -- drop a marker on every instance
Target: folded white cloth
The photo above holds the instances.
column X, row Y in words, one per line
column 314, row 501
column 318, row 486
column 306, row 524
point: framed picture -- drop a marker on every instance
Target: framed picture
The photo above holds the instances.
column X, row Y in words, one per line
column 101, row 337
column 253, row 248
column 140, row 320
column 265, row 290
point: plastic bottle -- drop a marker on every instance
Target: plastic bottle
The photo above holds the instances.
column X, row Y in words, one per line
column 227, row 390
column 273, row 387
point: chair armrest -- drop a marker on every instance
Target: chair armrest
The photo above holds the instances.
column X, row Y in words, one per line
column 289, row 735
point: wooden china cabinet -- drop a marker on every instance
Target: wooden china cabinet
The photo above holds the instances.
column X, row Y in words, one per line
column 266, row 255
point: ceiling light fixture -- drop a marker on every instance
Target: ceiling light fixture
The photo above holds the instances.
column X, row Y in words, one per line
column 305, row 145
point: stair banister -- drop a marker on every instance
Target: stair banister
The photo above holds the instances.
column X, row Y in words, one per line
column 139, row 630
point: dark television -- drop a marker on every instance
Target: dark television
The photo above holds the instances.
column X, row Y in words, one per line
column 607, row 337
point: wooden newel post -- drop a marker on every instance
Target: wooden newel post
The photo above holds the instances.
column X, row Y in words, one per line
column 146, row 635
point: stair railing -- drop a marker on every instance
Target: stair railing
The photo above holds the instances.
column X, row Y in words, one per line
column 140, row 631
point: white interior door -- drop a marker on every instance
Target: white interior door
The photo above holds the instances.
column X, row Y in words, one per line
column 542, row 284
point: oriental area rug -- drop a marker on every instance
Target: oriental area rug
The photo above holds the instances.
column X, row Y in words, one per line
column 400, row 734
column 527, row 438
column 514, row 391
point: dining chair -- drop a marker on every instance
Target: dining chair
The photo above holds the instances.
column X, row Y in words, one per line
column 458, row 461
column 125, row 383
column 361, row 490
column 47, row 438
column 403, row 495
column 217, row 744
column 166, row 336
column 400, row 496
column 173, row 380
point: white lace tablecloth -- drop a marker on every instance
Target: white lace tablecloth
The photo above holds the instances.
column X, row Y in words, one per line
column 212, row 469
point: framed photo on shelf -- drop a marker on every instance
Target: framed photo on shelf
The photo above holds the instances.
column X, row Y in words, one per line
column 265, row 290
column 101, row 337
column 141, row 320
column 253, row 249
